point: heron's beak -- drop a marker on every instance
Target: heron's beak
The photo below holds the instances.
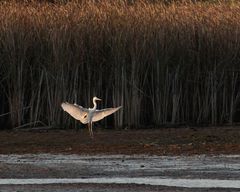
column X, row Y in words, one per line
column 98, row 99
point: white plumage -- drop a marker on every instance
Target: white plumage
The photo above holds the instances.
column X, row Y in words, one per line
column 87, row 116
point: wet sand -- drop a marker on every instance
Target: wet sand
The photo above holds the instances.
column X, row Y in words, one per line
column 48, row 172
column 170, row 153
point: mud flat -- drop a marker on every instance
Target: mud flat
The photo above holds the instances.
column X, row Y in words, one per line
column 159, row 141
column 61, row 172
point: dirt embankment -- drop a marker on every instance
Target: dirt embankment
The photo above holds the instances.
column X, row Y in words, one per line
column 168, row 141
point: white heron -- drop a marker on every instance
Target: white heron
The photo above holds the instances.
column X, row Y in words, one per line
column 90, row 115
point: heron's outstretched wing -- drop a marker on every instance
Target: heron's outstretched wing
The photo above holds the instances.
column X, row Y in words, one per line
column 100, row 114
column 76, row 111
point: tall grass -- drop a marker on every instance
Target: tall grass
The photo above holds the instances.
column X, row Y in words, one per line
column 174, row 63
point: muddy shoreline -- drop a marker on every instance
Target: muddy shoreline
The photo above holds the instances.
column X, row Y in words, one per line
column 168, row 141
column 49, row 172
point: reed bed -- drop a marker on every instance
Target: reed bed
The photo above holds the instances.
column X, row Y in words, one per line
column 166, row 64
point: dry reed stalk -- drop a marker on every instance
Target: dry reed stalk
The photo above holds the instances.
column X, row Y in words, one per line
column 168, row 63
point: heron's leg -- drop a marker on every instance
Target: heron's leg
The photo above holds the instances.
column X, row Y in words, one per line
column 91, row 129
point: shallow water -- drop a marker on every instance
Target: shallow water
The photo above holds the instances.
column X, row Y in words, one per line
column 175, row 171
column 188, row 183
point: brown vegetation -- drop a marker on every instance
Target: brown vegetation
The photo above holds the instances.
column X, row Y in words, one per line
column 165, row 63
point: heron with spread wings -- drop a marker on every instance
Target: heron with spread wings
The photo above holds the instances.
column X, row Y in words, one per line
column 90, row 115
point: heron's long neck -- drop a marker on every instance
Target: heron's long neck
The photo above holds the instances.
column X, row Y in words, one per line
column 94, row 104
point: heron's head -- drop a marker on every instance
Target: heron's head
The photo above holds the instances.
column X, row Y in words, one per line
column 96, row 99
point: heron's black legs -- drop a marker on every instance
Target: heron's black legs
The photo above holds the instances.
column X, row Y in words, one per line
column 90, row 129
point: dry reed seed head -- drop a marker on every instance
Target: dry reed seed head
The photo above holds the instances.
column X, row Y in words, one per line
column 171, row 55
